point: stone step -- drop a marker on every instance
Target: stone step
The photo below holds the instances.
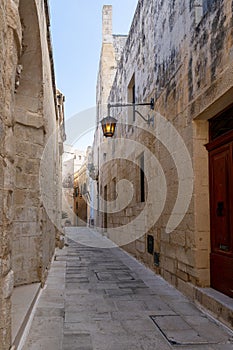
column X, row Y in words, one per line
column 217, row 304
column 23, row 300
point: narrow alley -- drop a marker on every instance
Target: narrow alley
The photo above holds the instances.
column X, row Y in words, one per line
column 103, row 299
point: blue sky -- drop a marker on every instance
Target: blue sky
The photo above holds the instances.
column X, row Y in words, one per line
column 76, row 27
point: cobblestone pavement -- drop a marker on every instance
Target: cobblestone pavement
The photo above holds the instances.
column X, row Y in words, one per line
column 103, row 299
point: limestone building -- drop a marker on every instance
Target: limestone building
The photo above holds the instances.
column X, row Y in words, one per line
column 31, row 138
column 72, row 161
column 83, row 193
column 112, row 46
column 177, row 213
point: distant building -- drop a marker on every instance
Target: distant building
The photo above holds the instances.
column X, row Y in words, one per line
column 83, row 193
column 112, row 47
column 72, row 162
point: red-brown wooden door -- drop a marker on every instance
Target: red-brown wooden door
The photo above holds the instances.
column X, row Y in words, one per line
column 221, row 214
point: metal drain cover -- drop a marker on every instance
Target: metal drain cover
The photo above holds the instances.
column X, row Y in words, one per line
column 105, row 276
column 114, row 276
column 177, row 331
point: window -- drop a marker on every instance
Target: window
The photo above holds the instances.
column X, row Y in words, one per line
column 150, row 244
column 76, row 191
column 207, row 5
column 142, row 178
column 201, row 7
column 198, row 11
column 221, row 124
column 131, row 99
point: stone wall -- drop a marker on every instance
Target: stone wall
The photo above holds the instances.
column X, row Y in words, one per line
column 10, row 48
column 180, row 53
column 35, row 127
column 29, row 121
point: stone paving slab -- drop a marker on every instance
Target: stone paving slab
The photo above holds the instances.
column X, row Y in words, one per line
column 103, row 299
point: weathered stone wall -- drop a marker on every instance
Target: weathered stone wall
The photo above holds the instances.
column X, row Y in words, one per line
column 10, row 49
column 60, row 139
column 29, row 139
column 50, row 212
column 35, row 127
column 28, row 122
column 180, row 53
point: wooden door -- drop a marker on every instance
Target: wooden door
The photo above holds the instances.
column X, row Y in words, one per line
column 221, row 214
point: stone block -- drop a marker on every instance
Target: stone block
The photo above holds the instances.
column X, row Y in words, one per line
column 168, row 276
column 5, row 322
column 20, row 197
column 203, row 277
column 9, row 143
column 169, row 250
column 186, row 288
column 203, row 240
column 29, row 103
column 9, row 172
column 5, row 265
column 202, row 259
column 190, row 239
column 36, row 136
column 186, row 256
column 8, row 285
column 169, row 264
column 165, row 237
column 26, row 214
column 178, row 238
column 182, row 275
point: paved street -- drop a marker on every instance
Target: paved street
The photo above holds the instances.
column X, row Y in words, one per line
column 103, row 299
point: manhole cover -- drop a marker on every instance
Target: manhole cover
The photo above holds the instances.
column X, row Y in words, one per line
column 114, row 276
column 104, row 276
column 177, row 331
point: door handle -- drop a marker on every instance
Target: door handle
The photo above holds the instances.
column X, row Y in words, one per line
column 224, row 247
column 220, row 208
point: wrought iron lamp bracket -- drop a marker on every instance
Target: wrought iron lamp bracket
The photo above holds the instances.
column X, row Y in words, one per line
column 149, row 120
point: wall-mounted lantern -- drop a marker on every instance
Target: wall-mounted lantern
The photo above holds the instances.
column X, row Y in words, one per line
column 108, row 126
column 109, row 123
